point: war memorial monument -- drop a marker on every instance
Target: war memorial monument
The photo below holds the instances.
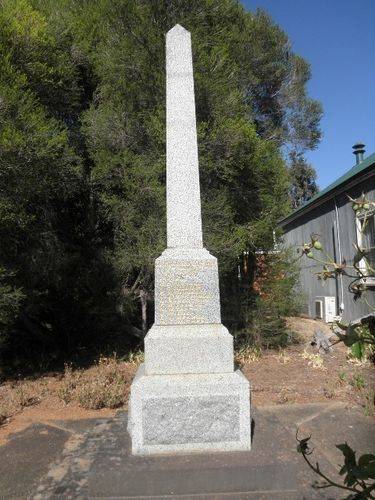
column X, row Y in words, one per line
column 187, row 396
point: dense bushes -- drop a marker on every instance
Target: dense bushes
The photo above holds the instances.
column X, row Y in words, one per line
column 82, row 159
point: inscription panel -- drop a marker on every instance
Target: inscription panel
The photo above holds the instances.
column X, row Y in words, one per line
column 195, row 419
column 187, row 292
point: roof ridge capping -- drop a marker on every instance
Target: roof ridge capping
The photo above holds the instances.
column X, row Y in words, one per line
column 347, row 176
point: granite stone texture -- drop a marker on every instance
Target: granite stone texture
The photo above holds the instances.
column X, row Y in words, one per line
column 184, row 224
column 188, row 349
column 186, row 288
column 189, row 413
column 200, row 410
column 186, row 397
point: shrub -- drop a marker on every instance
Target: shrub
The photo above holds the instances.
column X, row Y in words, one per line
column 274, row 295
column 69, row 384
column 103, row 386
column 19, row 395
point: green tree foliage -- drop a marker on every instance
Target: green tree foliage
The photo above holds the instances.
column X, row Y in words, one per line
column 303, row 180
column 82, row 140
column 47, row 251
column 273, row 295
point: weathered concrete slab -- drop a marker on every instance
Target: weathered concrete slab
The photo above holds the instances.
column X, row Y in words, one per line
column 272, row 470
column 92, row 459
column 266, row 469
column 27, row 457
column 339, row 425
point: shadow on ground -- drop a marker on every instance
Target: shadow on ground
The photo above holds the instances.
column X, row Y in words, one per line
column 91, row 458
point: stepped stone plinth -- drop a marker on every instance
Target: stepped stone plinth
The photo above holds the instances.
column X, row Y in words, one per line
column 186, row 397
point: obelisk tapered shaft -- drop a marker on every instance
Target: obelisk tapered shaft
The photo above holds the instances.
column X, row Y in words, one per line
column 186, row 396
column 184, row 223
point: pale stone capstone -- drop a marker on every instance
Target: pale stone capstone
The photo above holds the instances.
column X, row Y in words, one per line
column 186, row 397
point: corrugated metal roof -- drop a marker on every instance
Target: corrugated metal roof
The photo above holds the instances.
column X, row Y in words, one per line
column 349, row 175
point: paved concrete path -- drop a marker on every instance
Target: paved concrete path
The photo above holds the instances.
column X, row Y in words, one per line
column 91, row 459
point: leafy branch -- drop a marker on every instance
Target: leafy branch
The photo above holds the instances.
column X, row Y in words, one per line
column 332, row 269
column 359, row 475
column 358, row 334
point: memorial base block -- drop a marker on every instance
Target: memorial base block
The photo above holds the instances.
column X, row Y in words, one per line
column 188, row 349
column 189, row 413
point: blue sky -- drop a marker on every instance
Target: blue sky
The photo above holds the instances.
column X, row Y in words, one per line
column 337, row 37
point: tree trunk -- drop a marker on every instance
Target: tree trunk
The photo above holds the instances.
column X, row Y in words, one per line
column 143, row 298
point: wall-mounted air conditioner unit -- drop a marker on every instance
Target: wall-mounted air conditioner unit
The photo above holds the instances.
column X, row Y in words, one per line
column 325, row 308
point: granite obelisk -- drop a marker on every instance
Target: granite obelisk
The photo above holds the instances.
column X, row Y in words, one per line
column 186, row 397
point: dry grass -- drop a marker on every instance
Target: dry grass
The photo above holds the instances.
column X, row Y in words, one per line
column 135, row 357
column 315, row 360
column 285, row 396
column 104, row 385
column 19, row 395
column 296, row 374
column 247, row 354
column 283, row 358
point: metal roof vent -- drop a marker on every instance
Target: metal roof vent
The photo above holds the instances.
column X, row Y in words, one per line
column 358, row 151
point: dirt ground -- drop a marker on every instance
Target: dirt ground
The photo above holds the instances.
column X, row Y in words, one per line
column 296, row 374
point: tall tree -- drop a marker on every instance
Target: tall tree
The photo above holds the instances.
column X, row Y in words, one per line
column 52, row 276
column 82, row 132
column 303, row 180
